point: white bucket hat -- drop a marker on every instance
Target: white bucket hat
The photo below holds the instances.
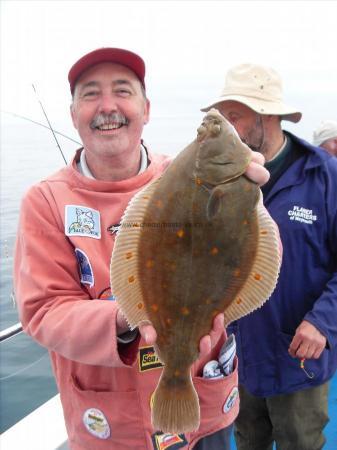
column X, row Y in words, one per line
column 325, row 131
column 259, row 88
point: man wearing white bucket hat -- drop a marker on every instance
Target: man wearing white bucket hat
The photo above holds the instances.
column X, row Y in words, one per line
column 288, row 348
column 325, row 136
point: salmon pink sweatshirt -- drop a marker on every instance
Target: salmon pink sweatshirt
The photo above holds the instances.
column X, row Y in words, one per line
column 62, row 284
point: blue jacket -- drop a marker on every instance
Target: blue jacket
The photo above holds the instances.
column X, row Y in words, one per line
column 303, row 202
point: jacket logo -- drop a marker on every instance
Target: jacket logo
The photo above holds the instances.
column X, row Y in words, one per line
column 302, row 215
column 164, row 441
column 148, row 359
column 82, row 221
column 86, row 272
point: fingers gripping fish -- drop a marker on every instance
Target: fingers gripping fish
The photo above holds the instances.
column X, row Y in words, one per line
column 195, row 242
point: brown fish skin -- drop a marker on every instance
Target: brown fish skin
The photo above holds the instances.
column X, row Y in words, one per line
column 198, row 245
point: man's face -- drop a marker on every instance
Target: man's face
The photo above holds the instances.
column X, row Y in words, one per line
column 247, row 123
column 330, row 146
column 109, row 110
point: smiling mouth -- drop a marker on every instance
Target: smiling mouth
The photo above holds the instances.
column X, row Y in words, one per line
column 110, row 126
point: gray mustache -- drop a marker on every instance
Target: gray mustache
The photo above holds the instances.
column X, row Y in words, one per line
column 104, row 119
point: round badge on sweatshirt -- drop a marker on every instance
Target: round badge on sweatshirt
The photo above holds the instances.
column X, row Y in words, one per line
column 230, row 400
column 95, row 422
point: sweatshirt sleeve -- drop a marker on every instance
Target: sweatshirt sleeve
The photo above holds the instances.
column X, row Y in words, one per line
column 54, row 307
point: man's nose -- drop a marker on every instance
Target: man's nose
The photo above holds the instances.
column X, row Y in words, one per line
column 107, row 103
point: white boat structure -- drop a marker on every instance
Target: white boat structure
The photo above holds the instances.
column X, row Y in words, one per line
column 43, row 428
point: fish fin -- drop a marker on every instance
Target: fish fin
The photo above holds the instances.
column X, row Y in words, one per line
column 263, row 277
column 214, row 202
column 175, row 405
column 124, row 279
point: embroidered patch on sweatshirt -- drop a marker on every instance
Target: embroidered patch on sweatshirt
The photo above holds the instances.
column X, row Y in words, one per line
column 84, row 267
column 167, row 441
column 148, row 359
column 82, row 221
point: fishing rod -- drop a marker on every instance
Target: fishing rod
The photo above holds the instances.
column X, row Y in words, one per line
column 41, row 125
column 51, row 128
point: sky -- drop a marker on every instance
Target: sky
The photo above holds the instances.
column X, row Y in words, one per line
column 187, row 46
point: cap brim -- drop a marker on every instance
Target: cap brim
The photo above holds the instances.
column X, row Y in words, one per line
column 260, row 107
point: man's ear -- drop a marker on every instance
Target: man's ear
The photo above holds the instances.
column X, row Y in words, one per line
column 147, row 111
column 73, row 115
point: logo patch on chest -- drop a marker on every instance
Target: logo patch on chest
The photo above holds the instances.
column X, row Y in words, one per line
column 82, row 221
column 300, row 214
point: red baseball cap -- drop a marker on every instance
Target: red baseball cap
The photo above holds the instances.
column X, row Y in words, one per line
column 107, row 54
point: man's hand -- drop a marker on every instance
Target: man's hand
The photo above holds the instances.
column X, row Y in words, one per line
column 255, row 171
column 308, row 342
column 206, row 342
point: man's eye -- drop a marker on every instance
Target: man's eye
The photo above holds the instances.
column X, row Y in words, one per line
column 124, row 92
column 90, row 94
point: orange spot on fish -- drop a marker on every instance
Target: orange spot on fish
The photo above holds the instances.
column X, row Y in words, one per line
column 146, row 197
column 198, row 181
column 140, row 305
column 131, row 279
column 154, row 307
column 237, row 272
column 185, row 311
column 214, row 251
column 128, row 255
column 258, row 277
column 149, row 263
column 168, row 321
column 238, row 301
column 245, row 222
column 176, row 373
column 208, row 301
column 159, row 204
column 135, row 225
column 180, row 233
column 264, row 232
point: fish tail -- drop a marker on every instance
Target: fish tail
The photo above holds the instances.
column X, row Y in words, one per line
column 175, row 404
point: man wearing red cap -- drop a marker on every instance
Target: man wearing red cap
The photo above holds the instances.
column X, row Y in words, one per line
column 105, row 373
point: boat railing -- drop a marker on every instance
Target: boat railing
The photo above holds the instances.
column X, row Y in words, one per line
column 11, row 331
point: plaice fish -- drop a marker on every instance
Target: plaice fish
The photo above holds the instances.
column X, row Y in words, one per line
column 192, row 244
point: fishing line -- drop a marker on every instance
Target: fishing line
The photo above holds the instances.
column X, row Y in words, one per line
column 11, row 375
column 51, row 128
column 41, row 125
